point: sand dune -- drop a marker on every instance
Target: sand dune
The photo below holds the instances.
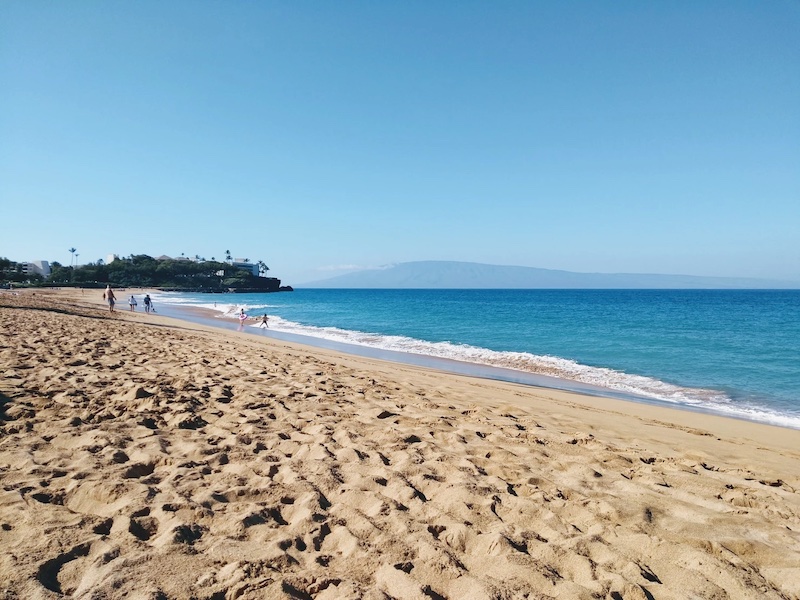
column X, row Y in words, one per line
column 144, row 458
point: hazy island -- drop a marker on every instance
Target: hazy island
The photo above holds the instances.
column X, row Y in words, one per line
column 433, row 274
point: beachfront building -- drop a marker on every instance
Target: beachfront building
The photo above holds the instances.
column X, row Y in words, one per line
column 240, row 263
column 245, row 265
column 37, row 267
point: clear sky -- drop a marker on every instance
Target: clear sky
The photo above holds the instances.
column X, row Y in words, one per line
column 596, row 136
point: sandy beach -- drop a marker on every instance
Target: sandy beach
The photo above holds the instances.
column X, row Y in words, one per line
column 148, row 458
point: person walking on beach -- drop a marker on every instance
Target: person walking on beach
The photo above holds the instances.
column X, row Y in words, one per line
column 147, row 303
column 110, row 298
column 264, row 321
column 242, row 319
column 132, row 302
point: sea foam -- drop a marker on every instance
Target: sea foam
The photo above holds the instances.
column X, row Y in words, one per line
column 646, row 388
column 552, row 366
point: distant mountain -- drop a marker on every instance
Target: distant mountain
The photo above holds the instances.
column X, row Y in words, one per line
column 464, row 275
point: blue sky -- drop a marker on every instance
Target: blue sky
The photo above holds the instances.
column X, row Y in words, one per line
column 657, row 137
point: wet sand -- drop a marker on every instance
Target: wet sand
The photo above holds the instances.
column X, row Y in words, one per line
column 145, row 457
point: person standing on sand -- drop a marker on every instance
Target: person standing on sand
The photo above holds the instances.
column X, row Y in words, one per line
column 147, row 303
column 264, row 321
column 110, row 297
column 132, row 303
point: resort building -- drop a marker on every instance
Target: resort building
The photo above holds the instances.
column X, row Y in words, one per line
column 37, row 267
column 241, row 263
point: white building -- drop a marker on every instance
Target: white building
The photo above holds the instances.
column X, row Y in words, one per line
column 37, row 267
column 239, row 263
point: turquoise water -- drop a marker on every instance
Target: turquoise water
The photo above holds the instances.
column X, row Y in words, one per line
column 734, row 352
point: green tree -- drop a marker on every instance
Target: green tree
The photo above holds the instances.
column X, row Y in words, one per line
column 60, row 273
column 144, row 270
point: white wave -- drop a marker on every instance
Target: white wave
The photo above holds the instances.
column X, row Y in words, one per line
column 561, row 368
column 225, row 309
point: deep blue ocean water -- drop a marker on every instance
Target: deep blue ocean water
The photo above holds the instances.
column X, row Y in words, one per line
column 733, row 352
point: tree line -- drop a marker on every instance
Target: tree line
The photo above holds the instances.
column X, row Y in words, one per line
column 143, row 271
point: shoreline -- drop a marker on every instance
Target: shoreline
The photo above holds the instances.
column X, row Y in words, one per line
column 211, row 318
column 752, row 413
column 141, row 454
column 663, row 411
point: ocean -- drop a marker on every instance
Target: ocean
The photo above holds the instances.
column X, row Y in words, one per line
column 730, row 352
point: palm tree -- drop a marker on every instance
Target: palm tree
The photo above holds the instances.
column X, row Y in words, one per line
column 72, row 251
column 262, row 268
column 228, row 255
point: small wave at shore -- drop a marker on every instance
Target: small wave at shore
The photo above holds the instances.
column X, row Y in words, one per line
column 644, row 387
column 224, row 309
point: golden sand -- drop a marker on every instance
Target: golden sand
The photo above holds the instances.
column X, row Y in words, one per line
column 147, row 458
